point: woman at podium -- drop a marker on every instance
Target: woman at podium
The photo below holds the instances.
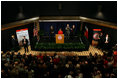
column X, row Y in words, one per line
column 60, row 31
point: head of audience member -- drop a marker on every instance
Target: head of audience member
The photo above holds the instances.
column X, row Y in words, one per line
column 70, row 69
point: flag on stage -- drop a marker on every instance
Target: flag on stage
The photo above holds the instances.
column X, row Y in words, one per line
column 86, row 32
column 35, row 31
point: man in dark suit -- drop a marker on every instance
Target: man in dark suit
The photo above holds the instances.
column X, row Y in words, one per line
column 51, row 33
column 72, row 32
column 14, row 43
column 100, row 41
column 25, row 44
column 67, row 32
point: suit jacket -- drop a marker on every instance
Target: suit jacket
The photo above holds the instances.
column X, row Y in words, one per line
column 101, row 40
column 25, row 44
column 67, row 30
column 51, row 31
column 13, row 42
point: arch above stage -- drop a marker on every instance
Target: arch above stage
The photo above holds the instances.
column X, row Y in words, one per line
column 72, row 18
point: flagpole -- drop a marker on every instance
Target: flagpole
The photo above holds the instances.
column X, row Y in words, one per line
column 38, row 28
column 81, row 26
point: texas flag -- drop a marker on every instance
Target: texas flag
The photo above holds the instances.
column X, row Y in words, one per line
column 86, row 32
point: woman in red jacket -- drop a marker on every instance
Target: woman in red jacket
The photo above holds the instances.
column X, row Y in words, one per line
column 60, row 31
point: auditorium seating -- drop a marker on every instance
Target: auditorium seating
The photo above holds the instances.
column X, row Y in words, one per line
column 58, row 66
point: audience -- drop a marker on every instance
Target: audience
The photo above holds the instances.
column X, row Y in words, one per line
column 57, row 66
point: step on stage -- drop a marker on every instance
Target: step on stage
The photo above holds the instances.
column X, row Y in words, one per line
column 92, row 49
column 72, row 43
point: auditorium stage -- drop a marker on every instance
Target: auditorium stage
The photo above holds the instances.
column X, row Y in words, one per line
column 65, row 53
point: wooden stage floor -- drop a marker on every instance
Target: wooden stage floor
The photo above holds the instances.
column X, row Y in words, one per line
column 92, row 49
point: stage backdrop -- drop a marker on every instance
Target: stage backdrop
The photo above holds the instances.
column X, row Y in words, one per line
column 20, row 33
column 105, row 30
column 6, row 36
column 45, row 26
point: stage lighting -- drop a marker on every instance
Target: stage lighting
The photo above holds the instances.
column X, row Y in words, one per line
column 60, row 6
column 20, row 14
column 100, row 13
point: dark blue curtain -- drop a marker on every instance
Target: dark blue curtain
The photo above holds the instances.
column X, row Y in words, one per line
column 45, row 26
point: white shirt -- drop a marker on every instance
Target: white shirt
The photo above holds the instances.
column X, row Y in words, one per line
column 24, row 41
column 106, row 40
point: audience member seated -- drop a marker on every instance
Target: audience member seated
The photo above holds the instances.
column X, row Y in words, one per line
column 58, row 66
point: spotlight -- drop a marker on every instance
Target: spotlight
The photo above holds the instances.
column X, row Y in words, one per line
column 100, row 13
column 20, row 14
column 60, row 6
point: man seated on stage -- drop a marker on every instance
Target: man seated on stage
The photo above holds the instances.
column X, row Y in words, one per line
column 60, row 31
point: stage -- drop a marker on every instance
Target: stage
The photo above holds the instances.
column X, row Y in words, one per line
column 74, row 43
column 92, row 49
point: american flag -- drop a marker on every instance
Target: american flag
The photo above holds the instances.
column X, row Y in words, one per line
column 35, row 30
column 86, row 32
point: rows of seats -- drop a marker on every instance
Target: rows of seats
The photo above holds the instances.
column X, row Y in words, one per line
column 58, row 66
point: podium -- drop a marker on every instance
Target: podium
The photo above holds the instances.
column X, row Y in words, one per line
column 59, row 38
column 94, row 43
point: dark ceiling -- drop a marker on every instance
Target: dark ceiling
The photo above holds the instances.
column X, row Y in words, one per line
column 10, row 9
